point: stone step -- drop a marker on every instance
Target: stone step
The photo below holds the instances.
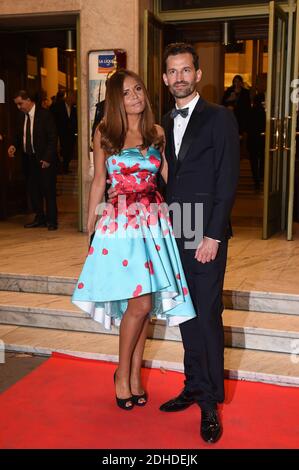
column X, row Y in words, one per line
column 67, row 184
column 67, row 187
column 250, row 193
column 243, row 329
column 273, row 302
column 258, row 366
column 37, row 284
column 62, row 191
column 66, row 178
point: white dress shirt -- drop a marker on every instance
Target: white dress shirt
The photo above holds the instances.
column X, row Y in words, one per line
column 179, row 127
column 31, row 115
column 180, row 124
column 68, row 109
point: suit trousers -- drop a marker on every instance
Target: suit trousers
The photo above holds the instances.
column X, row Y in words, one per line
column 67, row 148
column 42, row 186
column 203, row 336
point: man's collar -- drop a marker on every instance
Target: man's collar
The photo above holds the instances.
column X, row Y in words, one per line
column 32, row 111
column 191, row 105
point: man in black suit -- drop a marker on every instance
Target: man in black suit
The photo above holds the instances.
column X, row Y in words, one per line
column 202, row 151
column 65, row 115
column 36, row 140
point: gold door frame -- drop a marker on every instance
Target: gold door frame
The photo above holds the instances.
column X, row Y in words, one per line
column 275, row 112
column 152, row 25
column 292, row 137
column 215, row 12
column 79, row 138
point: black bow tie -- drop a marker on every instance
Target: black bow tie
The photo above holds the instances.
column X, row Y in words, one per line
column 182, row 111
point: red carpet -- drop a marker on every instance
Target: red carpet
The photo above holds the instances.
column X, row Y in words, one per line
column 69, row 403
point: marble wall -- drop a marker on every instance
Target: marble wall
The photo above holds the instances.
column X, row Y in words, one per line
column 103, row 25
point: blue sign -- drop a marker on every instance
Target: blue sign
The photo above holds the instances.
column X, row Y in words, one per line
column 106, row 62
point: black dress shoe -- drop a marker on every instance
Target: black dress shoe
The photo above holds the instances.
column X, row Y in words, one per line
column 52, row 227
column 210, row 427
column 180, row 403
column 35, row 223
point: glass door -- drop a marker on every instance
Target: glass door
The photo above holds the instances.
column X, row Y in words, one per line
column 292, row 130
column 274, row 184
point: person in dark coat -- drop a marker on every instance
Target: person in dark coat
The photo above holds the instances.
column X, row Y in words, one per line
column 256, row 139
column 36, row 140
column 202, row 151
column 65, row 114
column 237, row 98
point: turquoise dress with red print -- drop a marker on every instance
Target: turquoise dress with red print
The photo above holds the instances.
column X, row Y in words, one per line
column 134, row 251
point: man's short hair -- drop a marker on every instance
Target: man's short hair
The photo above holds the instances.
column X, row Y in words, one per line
column 176, row 48
column 24, row 94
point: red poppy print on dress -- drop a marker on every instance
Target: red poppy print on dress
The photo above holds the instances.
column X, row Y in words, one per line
column 128, row 170
column 155, row 161
column 149, row 265
column 137, row 291
column 185, row 291
column 80, row 285
column 104, row 251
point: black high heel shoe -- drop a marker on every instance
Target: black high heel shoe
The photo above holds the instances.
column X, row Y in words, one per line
column 123, row 402
column 136, row 398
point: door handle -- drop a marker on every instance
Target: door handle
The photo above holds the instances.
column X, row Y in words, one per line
column 286, row 131
column 275, row 135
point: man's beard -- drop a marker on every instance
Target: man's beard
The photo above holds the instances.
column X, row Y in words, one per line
column 184, row 92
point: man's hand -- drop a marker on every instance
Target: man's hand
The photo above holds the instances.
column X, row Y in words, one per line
column 11, row 151
column 91, row 224
column 44, row 164
column 112, row 193
column 206, row 250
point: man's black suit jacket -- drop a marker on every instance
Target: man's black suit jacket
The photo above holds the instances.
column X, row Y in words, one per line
column 207, row 168
column 66, row 125
column 44, row 135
